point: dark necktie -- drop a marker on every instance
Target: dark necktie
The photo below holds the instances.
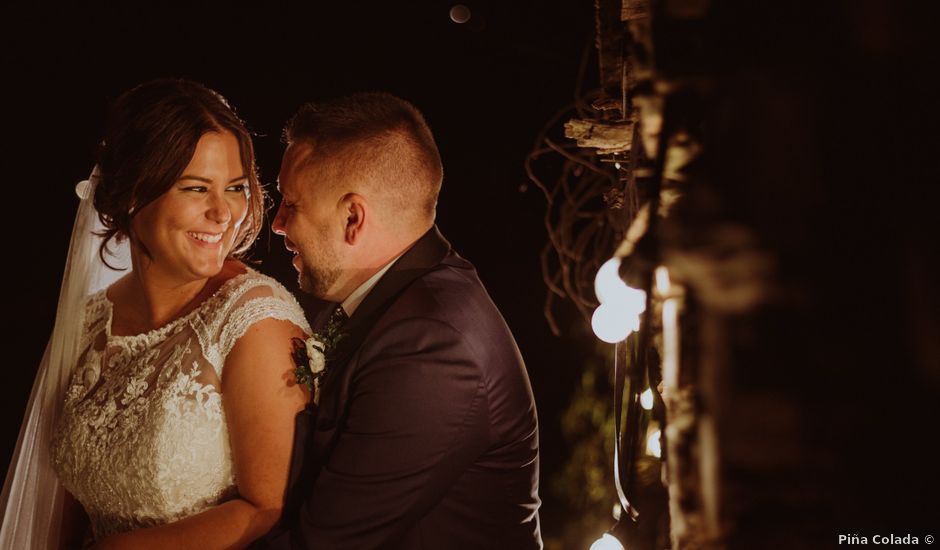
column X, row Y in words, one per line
column 337, row 319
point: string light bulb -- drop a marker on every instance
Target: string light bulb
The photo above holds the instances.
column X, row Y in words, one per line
column 654, row 444
column 624, row 534
column 609, row 287
column 613, row 324
column 607, row 542
column 621, row 306
column 646, row 399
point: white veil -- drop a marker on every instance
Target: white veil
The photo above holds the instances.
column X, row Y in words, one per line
column 31, row 503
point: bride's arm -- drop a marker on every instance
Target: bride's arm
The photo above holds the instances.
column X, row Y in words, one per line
column 260, row 399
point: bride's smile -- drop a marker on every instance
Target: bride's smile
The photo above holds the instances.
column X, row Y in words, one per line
column 207, row 238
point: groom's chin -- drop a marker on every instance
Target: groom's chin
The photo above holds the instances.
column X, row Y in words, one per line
column 305, row 284
column 308, row 285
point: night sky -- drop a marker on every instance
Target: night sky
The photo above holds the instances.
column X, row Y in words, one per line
column 486, row 87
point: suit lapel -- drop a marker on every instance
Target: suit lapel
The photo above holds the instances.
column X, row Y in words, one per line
column 427, row 253
column 318, row 426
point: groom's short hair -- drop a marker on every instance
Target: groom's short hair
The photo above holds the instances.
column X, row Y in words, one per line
column 382, row 139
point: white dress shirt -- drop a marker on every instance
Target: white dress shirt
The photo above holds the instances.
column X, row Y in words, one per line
column 352, row 302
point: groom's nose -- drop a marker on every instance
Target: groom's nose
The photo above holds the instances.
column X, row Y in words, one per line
column 277, row 225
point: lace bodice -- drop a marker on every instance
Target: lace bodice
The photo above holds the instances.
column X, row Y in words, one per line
column 142, row 440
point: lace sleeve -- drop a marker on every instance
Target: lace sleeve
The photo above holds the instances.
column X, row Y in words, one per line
column 263, row 300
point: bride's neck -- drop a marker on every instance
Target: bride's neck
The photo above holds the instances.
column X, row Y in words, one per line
column 145, row 299
column 165, row 300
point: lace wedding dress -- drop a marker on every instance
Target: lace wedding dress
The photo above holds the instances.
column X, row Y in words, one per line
column 142, row 439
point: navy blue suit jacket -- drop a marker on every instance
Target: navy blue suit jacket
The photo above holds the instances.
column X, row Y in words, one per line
column 426, row 434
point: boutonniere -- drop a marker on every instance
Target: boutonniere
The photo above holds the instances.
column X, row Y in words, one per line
column 312, row 356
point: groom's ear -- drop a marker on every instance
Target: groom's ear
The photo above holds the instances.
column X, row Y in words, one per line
column 355, row 207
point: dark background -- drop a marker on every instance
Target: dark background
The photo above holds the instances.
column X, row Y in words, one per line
column 486, row 87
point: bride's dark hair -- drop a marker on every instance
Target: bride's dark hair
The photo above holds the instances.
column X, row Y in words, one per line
column 150, row 136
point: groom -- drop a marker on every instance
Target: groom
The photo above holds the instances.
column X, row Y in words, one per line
column 425, row 436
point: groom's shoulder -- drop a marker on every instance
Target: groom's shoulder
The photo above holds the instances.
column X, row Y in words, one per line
column 452, row 294
column 444, row 285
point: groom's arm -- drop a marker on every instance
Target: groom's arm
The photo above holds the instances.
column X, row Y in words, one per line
column 417, row 419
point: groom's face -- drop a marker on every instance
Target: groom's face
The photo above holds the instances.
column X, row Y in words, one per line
column 310, row 219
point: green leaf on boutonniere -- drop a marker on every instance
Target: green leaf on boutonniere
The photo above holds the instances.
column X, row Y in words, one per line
column 312, row 356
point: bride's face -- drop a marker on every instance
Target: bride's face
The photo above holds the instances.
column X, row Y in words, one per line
column 190, row 230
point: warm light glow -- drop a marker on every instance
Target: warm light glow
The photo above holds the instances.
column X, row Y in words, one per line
column 607, row 282
column 616, row 511
column 617, row 165
column 646, row 399
column 662, row 280
column 613, row 324
column 621, row 306
column 607, row 542
column 609, row 287
column 654, row 444
column 670, row 344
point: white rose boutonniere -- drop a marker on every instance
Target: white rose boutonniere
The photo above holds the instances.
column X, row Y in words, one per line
column 312, row 356
column 310, row 361
column 316, row 353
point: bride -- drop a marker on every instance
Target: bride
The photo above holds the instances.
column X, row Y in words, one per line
column 163, row 413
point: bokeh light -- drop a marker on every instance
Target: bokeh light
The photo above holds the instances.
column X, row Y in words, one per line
column 654, row 444
column 607, row 542
column 646, row 399
column 460, row 14
column 613, row 324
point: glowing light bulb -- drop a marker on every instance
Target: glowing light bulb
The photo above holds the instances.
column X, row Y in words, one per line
column 611, row 325
column 609, row 287
column 646, row 399
column 607, row 282
column 654, row 444
column 662, row 280
column 621, row 306
column 607, row 542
